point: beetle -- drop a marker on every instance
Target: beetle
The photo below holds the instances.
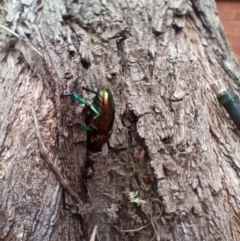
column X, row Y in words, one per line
column 99, row 122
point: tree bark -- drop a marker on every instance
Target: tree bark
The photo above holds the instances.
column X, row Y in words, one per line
column 172, row 167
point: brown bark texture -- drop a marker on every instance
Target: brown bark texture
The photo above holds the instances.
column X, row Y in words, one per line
column 172, row 167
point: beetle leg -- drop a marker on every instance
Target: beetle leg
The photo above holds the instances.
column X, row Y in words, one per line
column 89, row 90
column 77, row 97
column 85, row 127
column 83, row 101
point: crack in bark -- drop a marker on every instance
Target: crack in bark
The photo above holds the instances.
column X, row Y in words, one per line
column 45, row 155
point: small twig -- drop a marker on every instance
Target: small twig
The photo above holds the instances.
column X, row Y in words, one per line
column 16, row 35
column 34, row 49
column 151, row 222
column 151, row 217
column 9, row 30
column 45, row 155
column 93, row 234
column 134, row 229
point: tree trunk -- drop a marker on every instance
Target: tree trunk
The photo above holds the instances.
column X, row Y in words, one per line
column 172, row 167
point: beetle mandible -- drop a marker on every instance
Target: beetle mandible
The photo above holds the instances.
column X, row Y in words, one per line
column 99, row 122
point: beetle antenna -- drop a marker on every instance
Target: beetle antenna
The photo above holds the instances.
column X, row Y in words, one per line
column 89, row 90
